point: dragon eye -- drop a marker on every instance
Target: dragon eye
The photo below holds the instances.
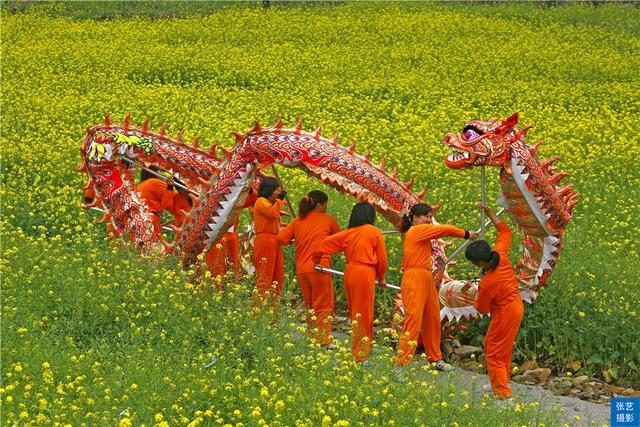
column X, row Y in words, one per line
column 470, row 134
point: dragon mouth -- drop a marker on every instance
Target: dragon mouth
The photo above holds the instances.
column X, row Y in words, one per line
column 458, row 155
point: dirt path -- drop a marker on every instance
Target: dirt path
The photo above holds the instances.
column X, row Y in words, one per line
column 589, row 413
column 574, row 411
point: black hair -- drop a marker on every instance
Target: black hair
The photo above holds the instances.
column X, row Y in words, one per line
column 181, row 189
column 146, row 174
column 310, row 201
column 362, row 213
column 419, row 209
column 268, row 185
column 481, row 251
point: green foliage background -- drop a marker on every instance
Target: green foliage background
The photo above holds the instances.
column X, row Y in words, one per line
column 396, row 77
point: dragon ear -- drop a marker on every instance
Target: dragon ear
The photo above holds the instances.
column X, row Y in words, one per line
column 510, row 122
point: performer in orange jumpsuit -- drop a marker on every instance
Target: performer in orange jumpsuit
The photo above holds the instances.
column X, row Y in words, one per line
column 312, row 226
column 268, row 257
column 225, row 253
column 366, row 255
column 498, row 294
column 419, row 294
column 158, row 197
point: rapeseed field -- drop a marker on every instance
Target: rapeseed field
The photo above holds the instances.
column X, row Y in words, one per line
column 92, row 334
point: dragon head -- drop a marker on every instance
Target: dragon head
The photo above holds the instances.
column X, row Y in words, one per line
column 108, row 177
column 481, row 144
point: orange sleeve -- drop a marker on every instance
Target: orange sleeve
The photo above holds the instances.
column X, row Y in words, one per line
column 286, row 236
column 329, row 246
column 263, row 207
column 429, row 231
column 503, row 242
column 334, row 227
column 250, row 200
column 381, row 254
column 483, row 300
column 167, row 199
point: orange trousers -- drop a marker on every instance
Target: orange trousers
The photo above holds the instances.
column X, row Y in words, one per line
column 498, row 345
column 268, row 260
column 317, row 291
column 226, row 257
column 360, row 289
column 421, row 316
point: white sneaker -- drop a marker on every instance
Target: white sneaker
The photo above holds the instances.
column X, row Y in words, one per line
column 504, row 403
column 487, row 387
column 442, row 366
column 329, row 346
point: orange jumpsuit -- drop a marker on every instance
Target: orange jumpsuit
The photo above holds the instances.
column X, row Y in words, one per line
column 227, row 256
column 268, row 257
column 419, row 294
column 498, row 294
column 155, row 192
column 366, row 256
column 178, row 206
column 317, row 288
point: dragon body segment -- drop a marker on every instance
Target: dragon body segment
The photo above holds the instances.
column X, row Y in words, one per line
column 260, row 147
column 529, row 192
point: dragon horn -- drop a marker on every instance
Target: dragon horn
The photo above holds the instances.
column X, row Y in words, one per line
column 256, row 127
column 523, row 132
column 367, row 153
column 145, row 126
column 226, row 152
column 162, row 130
column 318, row 132
column 546, row 163
column 408, row 184
column 107, row 120
column 535, row 147
column 352, row 148
column 510, row 122
column 126, row 123
column 298, row 128
column 383, row 163
column 555, row 178
column 239, row 137
column 566, row 190
column 394, row 173
column 196, row 141
column 180, row 135
column 278, row 124
column 421, row 194
column 334, row 141
column 82, row 167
